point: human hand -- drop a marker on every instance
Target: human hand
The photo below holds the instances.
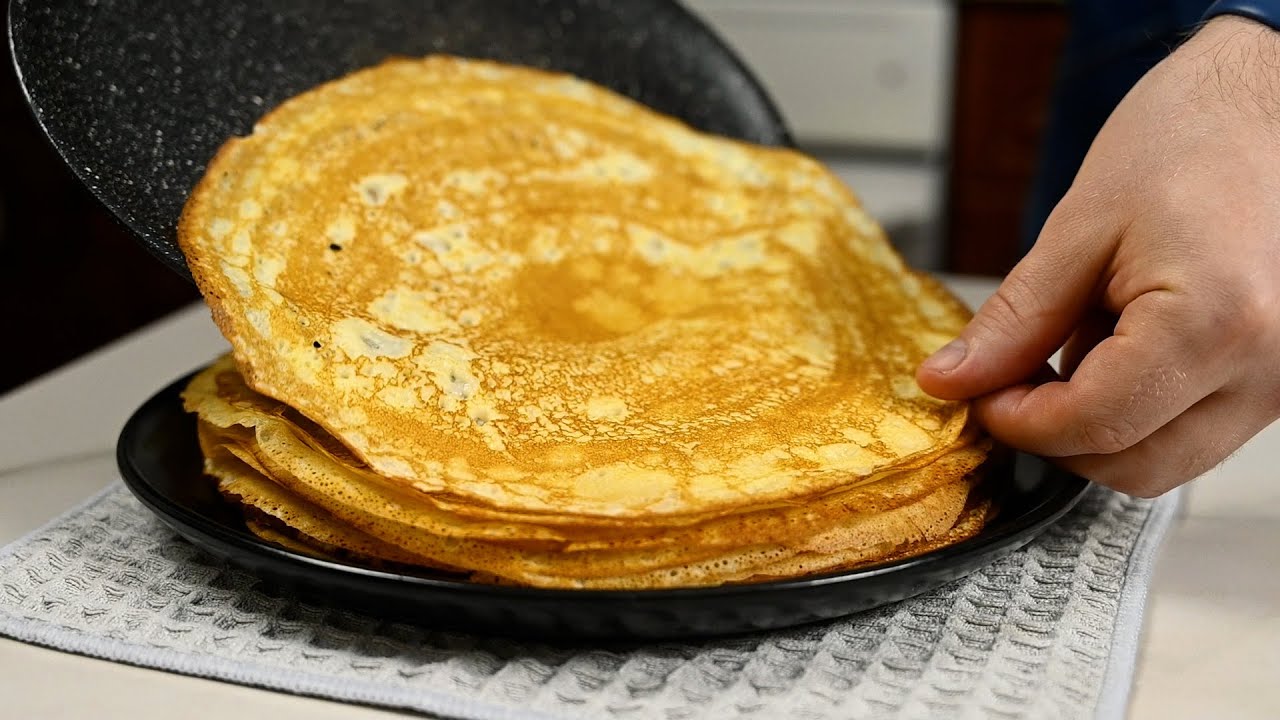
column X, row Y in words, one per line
column 1159, row 270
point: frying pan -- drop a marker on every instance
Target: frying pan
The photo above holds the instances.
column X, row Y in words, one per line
column 137, row 95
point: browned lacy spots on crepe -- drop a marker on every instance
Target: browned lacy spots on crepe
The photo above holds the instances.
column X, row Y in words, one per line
column 508, row 321
column 286, row 472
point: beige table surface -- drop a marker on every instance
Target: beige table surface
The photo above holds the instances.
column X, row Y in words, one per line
column 1211, row 648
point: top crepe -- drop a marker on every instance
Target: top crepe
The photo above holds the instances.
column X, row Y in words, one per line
column 521, row 291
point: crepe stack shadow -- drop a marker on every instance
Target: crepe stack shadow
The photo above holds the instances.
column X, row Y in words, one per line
column 505, row 323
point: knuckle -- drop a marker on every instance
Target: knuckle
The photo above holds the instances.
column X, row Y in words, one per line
column 1152, row 469
column 1197, row 463
column 1139, row 481
column 1014, row 307
column 1268, row 394
column 1250, row 311
column 1074, row 214
column 1154, row 479
column 1147, row 487
column 1231, row 310
column 1108, row 436
column 1225, row 320
column 1202, row 457
column 1170, row 203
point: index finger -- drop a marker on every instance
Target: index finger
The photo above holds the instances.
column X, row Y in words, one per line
column 1152, row 369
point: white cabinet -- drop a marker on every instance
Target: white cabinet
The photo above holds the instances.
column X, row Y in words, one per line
column 866, row 86
column 862, row 73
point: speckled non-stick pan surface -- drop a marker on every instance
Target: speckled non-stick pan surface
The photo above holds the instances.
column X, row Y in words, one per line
column 137, row 95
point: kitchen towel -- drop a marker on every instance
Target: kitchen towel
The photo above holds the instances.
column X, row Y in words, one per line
column 1050, row 631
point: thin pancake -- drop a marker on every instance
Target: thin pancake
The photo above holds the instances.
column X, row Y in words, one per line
column 298, row 458
column 515, row 291
column 241, row 484
column 907, row 511
column 826, row 553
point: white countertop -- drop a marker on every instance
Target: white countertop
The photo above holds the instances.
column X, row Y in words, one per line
column 1211, row 647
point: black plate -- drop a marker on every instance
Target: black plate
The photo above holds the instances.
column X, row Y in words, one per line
column 137, row 95
column 160, row 462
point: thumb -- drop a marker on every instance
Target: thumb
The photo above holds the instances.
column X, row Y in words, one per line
column 1031, row 314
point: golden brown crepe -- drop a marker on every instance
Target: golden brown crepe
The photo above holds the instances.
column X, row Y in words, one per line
column 503, row 320
column 272, row 460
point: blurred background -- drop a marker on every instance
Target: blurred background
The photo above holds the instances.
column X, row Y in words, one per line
column 932, row 110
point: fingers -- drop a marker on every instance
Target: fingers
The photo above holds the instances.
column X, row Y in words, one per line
column 1032, row 313
column 1127, row 387
column 1186, row 448
column 1096, row 326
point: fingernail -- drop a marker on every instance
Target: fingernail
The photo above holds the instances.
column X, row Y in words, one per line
column 948, row 357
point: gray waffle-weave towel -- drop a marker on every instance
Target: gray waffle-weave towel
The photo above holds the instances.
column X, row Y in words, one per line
column 1049, row 632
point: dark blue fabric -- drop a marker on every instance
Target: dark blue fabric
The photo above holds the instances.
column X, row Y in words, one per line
column 1266, row 12
column 1109, row 46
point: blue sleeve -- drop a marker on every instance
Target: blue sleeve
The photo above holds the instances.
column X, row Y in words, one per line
column 1266, row 12
column 1110, row 45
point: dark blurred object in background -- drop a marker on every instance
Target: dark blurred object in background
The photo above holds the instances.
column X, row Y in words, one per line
column 71, row 279
column 1007, row 54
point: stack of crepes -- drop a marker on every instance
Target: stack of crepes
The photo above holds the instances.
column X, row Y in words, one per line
column 501, row 322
